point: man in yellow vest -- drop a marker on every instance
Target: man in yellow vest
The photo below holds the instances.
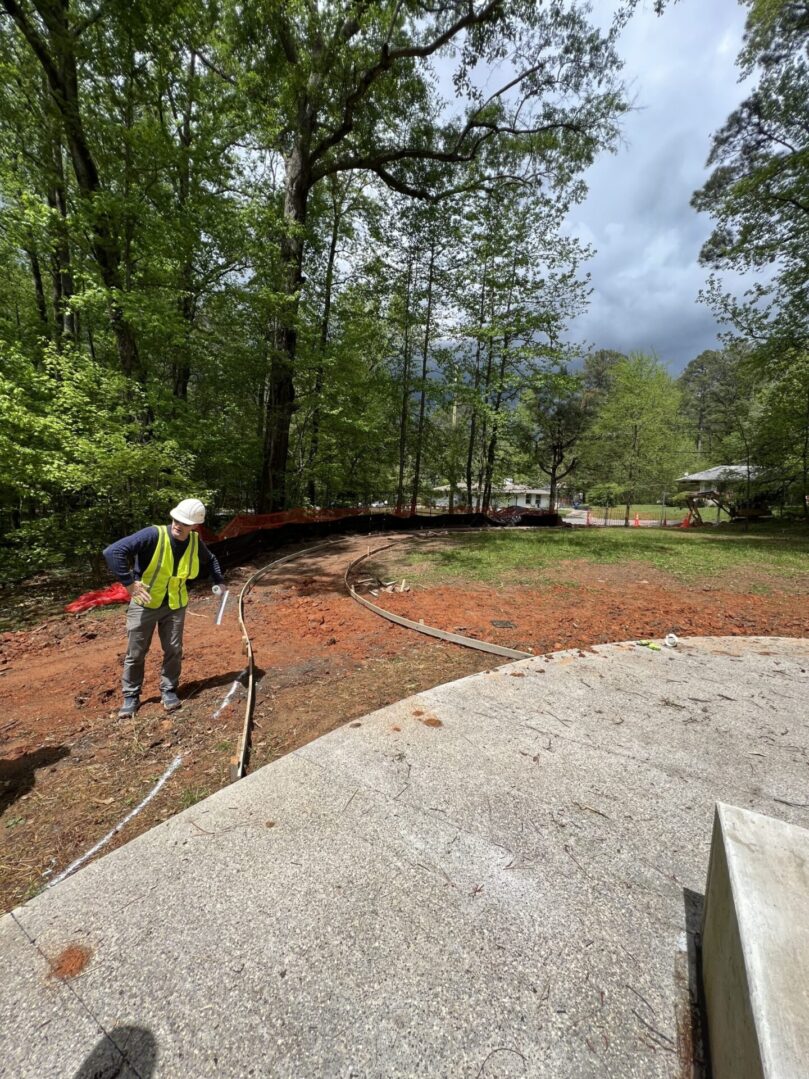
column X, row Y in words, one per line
column 155, row 565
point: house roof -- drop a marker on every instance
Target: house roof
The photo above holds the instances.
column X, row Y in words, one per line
column 722, row 472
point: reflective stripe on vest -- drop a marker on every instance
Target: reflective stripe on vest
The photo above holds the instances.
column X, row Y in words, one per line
column 159, row 577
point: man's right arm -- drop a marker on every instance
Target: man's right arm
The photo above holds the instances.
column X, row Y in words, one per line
column 121, row 555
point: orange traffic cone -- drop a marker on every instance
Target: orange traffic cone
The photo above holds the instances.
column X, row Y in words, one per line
column 636, row 522
column 686, row 521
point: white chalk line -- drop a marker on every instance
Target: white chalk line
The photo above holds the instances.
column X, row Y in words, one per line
column 222, row 609
column 172, row 768
column 237, row 683
column 169, row 772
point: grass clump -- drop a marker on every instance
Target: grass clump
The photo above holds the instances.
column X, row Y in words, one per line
column 192, row 795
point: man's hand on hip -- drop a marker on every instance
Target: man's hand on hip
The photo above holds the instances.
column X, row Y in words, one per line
column 139, row 592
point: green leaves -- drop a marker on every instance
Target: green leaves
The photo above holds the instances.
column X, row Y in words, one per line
column 70, row 452
column 636, row 443
column 758, row 193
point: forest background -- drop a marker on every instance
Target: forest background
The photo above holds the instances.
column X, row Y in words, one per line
column 248, row 252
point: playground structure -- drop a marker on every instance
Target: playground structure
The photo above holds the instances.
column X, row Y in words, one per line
column 755, row 508
column 743, row 492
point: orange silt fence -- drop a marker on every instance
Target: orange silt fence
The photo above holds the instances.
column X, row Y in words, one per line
column 235, row 544
column 243, row 523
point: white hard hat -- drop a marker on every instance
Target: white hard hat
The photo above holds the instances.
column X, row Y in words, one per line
column 189, row 512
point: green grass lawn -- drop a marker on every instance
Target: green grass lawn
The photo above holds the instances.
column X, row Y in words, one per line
column 501, row 557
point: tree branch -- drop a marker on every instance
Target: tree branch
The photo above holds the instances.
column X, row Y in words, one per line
column 284, row 31
column 211, row 66
column 34, row 39
column 374, row 162
column 387, row 58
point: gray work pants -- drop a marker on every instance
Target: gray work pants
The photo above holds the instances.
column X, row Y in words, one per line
column 140, row 624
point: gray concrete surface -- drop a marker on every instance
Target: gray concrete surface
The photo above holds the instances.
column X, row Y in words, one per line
column 756, row 947
column 511, row 893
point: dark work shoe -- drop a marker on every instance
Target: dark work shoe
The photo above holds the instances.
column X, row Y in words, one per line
column 171, row 702
column 129, row 707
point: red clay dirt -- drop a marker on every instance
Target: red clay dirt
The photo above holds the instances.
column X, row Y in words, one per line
column 70, row 770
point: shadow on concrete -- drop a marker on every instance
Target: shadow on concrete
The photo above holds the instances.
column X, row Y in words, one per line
column 127, row 1053
column 692, row 1027
column 17, row 775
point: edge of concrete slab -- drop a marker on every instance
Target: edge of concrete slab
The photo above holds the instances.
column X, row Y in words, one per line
column 756, row 946
column 475, row 828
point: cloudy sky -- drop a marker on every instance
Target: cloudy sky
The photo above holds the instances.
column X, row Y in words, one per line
column 645, row 277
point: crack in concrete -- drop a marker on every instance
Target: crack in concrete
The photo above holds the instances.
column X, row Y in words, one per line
column 82, row 1004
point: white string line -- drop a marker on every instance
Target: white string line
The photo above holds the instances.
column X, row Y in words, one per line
column 172, row 768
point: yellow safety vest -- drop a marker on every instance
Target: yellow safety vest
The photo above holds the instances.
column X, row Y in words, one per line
column 159, row 576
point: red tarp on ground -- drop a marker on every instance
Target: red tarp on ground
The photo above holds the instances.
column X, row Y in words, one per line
column 115, row 593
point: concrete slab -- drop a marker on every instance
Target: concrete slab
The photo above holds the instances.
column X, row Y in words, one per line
column 45, row 1030
column 756, row 947
column 500, row 877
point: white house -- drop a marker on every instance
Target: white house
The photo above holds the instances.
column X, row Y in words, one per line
column 507, row 494
column 720, row 476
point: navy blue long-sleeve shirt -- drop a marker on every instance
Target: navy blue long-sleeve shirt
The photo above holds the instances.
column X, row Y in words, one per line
column 128, row 558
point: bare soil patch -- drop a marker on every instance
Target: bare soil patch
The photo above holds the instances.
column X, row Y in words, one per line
column 70, row 770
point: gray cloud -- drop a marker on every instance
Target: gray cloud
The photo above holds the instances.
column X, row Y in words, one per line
column 646, row 277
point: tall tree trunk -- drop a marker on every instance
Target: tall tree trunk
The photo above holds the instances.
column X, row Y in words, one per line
column 484, row 427
column 553, row 482
column 498, row 398
column 90, row 341
column 404, row 412
column 496, row 406
column 65, row 320
column 470, row 451
column 314, row 444
column 423, row 395
column 632, row 474
column 281, row 397
column 56, row 53
column 39, row 291
column 181, row 367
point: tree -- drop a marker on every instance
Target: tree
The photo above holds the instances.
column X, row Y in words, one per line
column 520, row 286
column 782, row 434
column 202, row 277
column 701, row 385
column 635, row 441
column 598, row 372
column 349, row 89
column 555, row 415
column 758, row 193
column 53, row 34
